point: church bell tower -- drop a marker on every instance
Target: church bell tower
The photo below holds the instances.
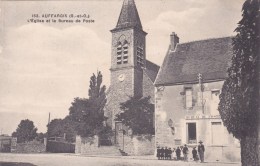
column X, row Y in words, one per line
column 128, row 58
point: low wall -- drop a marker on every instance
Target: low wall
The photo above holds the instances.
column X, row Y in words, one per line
column 138, row 145
column 132, row 145
column 60, row 147
column 86, row 145
column 30, row 147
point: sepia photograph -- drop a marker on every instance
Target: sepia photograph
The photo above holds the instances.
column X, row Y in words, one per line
column 129, row 82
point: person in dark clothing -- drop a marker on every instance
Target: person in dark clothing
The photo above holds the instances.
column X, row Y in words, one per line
column 158, row 152
column 165, row 153
column 194, row 154
column 178, row 153
column 162, row 153
column 185, row 152
column 201, row 150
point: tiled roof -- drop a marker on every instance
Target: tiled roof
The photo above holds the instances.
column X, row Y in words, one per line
column 151, row 70
column 209, row 57
column 129, row 16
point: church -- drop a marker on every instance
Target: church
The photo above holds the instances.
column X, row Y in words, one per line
column 131, row 73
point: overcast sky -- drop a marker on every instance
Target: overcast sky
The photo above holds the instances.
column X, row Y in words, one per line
column 43, row 66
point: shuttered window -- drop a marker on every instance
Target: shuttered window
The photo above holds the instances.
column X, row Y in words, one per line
column 140, row 56
column 188, row 98
column 122, row 53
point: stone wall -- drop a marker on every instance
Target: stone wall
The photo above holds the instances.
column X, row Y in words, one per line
column 132, row 145
column 137, row 145
column 86, row 145
column 148, row 87
column 30, row 147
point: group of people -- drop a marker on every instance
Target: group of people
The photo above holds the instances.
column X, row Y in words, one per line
column 164, row 153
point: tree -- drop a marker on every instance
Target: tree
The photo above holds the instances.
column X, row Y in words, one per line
column 89, row 113
column 137, row 113
column 239, row 99
column 63, row 127
column 40, row 137
column 86, row 116
column 25, row 132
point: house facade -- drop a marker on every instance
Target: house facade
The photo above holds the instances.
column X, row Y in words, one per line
column 187, row 92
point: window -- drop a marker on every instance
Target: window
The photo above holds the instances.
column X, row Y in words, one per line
column 125, row 54
column 188, row 97
column 122, row 53
column 191, row 133
column 140, row 56
column 214, row 102
column 119, row 53
column 215, row 95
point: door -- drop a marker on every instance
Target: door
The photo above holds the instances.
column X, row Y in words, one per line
column 118, row 129
column 191, row 133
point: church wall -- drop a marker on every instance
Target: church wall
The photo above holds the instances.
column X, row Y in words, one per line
column 138, row 82
column 119, row 92
column 148, row 87
column 173, row 119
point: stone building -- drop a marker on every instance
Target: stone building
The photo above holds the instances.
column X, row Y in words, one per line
column 188, row 85
column 131, row 73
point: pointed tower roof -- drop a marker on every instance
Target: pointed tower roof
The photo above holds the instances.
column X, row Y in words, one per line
column 128, row 16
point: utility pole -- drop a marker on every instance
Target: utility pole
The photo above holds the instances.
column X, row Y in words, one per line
column 201, row 90
column 47, row 135
column 49, row 118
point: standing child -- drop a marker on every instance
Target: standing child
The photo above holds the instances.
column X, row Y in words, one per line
column 162, row 153
column 170, row 154
column 185, row 152
column 194, row 154
column 178, row 153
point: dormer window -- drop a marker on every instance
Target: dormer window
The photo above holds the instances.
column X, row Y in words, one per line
column 140, row 56
column 122, row 53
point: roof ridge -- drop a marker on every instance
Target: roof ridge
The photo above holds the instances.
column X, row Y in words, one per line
column 213, row 38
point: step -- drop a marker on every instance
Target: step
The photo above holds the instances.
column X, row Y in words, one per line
column 104, row 150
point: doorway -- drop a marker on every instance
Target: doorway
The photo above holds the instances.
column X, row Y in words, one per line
column 118, row 128
column 191, row 133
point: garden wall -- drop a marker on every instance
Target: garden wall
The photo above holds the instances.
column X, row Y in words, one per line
column 132, row 145
column 30, row 147
column 137, row 145
column 86, row 145
column 60, row 147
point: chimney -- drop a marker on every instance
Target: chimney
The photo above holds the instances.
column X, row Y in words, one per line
column 174, row 40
